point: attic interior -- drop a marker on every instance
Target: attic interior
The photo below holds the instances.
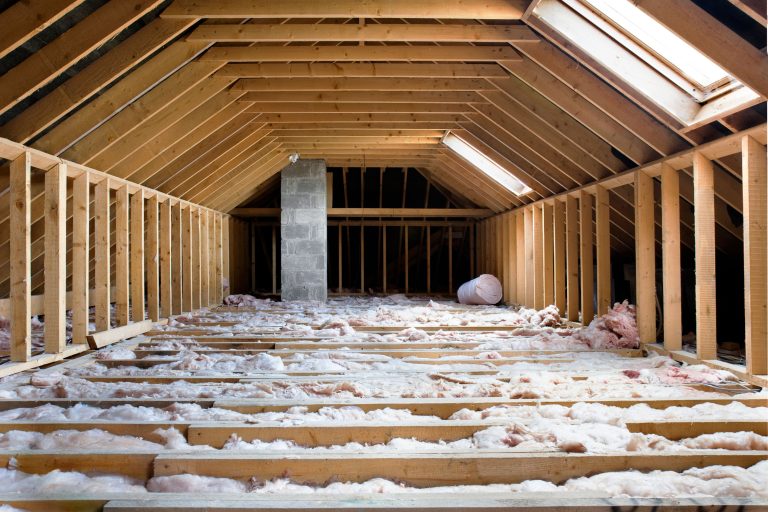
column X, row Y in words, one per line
column 383, row 254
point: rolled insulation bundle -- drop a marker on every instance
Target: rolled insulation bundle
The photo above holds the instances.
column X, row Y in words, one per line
column 484, row 289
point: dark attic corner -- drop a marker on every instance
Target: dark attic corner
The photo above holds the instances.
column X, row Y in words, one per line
column 383, row 254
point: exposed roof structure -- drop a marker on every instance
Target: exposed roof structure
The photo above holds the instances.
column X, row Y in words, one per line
column 206, row 99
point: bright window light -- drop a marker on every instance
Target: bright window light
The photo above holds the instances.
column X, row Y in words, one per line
column 663, row 42
column 485, row 164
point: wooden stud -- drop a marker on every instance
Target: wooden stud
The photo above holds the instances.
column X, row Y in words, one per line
column 55, row 258
column 755, row 190
column 226, row 223
column 407, row 260
column 549, row 254
column 450, row 260
column 586, row 257
column 101, row 295
column 362, row 259
column 21, row 258
column 205, row 259
column 521, row 257
column 341, row 269
column 122, row 254
column 558, row 220
column 645, row 258
column 188, row 259
column 603, row 242
column 429, row 259
column 383, row 259
column 529, row 258
column 195, row 265
column 274, row 260
column 153, row 260
column 166, row 260
column 137, row 256
column 81, row 256
column 670, row 240
column 538, row 258
column 177, row 268
column 572, row 249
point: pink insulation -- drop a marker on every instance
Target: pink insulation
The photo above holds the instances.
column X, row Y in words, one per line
column 615, row 329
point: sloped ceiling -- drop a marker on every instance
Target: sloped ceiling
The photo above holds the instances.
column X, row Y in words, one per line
column 206, row 99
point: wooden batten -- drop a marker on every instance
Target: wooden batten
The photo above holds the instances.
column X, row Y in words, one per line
column 122, row 256
column 586, row 257
column 704, row 208
column 21, row 258
column 81, row 257
column 603, row 243
column 101, row 299
column 670, row 240
column 55, row 258
column 572, row 257
column 645, row 258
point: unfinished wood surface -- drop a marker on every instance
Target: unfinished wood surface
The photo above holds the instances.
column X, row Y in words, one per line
column 81, row 256
column 645, row 258
column 586, row 258
column 152, row 260
column 559, row 253
column 21, row 258
column 670, row 239
column 572, row 256
column 704, row 209
column 166, row 260
column 521, row 256
column 530, row 294
column 194, row 266
column 548, row 253
column 755, row 187
column 55, row 258
column 104, row 338
column 101, row 293
column 137, row 256
column 603, row 242
column 122, row 255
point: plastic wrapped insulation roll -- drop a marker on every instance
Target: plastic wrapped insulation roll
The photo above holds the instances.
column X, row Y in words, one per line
column 484, row 289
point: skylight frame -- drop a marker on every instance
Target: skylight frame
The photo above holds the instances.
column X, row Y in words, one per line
column 488, row 166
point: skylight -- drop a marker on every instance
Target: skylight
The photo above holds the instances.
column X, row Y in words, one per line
column 490, row 168
column 660, row 40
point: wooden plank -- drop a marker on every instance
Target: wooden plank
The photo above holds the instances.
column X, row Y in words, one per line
column 755, row 190
column 21, row 258
column 152, row 259
column 362, row 53
column 427, row 9
column 520, row 240
column 13, row 367
column 187, row 258
column 177, row 266
column 316, row 84
column 137, row 256
column 81, row 256
column 670, row 239
column 103, row 338
column 645, row 258
column 274, row 259
column 603, row 242
column 677, row 430
column 434, row 469
column 166, row 260
column 549, row 254
column 347, row 70
column 226, row 226
column 122, row 256
column 55, row 258
column 572, row 255
column 538, row 258
column 205, row 259
column 706, row 283
column 23, row 20
column 530, row 294
column 430, row 33
column 195, row 247
column 101, row 292
column 559, row 251
column 586, row 257
column 407, row 259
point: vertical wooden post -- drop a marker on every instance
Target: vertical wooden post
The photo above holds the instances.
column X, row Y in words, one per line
column 341, row 268
column 549, row 254
column 152, row 260
column 219, row 236
column 137, row 256
column 529, row 258
column 572, row 256
column 472, row 245
column 558, row 221
column 205, row 259
column 603, row 221
column 511, row 229
column 187, row 257
column 429, row 260
column 645, row 258
column 407, row 260
column 450, row 260
column 252, row 243
column 481, row 247
column 21, row 258
column 177, row 258
column 55, row 266
column 538, row 257
column 384, row 256
column 226, row 223
column 498, row 237
column 166, row 261
column 755, row 190
column 362, row 256
column 274, row 260
column 670, row 239
column 521, row 256
column 81, row 257
column 102, row 265
column 122, row 254
column 586, row 256
column 196, row 285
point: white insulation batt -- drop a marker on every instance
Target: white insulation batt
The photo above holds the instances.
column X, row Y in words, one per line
column 485, row 289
